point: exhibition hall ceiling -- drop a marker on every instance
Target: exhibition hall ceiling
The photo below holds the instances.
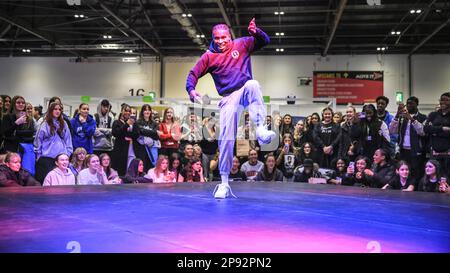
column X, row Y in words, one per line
column 183, row 28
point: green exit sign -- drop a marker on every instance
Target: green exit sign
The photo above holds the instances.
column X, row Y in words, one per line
column 85, row 99
column 399, row 96
column 150, row 98
column 266, row 99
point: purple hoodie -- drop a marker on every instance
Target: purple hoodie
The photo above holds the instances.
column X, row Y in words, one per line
column 49, row 145
column 230, row 69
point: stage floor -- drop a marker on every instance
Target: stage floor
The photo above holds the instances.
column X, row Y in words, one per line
column 184, row 217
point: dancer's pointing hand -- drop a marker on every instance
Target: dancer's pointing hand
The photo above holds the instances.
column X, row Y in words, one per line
column 252, row 27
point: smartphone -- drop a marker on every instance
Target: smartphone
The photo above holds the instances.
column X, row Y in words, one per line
column 352, row 165
column 133, row 118
column 362, row 115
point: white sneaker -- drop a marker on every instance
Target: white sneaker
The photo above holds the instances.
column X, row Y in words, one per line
column 223, row 191
column 264, row 136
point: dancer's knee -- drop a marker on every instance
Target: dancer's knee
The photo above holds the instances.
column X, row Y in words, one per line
column 253, row 84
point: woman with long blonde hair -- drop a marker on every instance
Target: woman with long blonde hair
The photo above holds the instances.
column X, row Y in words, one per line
column 161, row 173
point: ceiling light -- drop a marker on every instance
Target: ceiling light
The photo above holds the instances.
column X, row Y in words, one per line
column 383, row 49
column 277, row 49
column 128, row 51
column 378, row 48
column 76, row 16
column 282, row 49
column 281, row 12
column 26, row 50
column 276, row 13
column 282, row 33
column 105, row 37
column 189, row 15
column 109, row 37
column 412, row 11
column 81, row 16
column 393, row 32
column 110, row 46
column 184, row 15
column 277, row 34
column 129, row 60
column 418, row 11
column 398, row 32
column 202, row 36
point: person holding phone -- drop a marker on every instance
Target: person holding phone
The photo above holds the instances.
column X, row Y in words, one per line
column 229, row 63
column 356, row 175
column 434, row 179
column 407, row 124
column 287, row 158
column 161, row 173
column 17, row 127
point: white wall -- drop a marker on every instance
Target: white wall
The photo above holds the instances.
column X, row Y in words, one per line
column 36, row 78
column 431, row 77
column 278, row 74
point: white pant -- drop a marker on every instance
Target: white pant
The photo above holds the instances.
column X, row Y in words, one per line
column 231, row 108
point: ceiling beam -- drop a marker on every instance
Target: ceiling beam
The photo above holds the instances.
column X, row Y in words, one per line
column 115, row 16
column 429, row 36
column 3, row 33
column 225, row 17
column 20, row 24
column 337, row 19
column 236, row 16
column 152, row 27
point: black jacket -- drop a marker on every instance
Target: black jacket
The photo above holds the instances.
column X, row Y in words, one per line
column 417, row 142
column 439, row 140
column 276, row 176
column 368, row 137
column 14, row 134
column 9, row 178
column 395, row 183
column 119, row 155
column 304, row 177
column 327, row 135
column 345, row 141
column 351, row 180
column 382, row 175
column 146, row 129
column 128, row 179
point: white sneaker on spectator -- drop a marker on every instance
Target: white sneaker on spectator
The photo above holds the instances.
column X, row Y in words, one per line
column 264, row 136
column 223, row 191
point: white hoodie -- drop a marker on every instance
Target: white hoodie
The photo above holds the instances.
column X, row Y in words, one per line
column 57, row 178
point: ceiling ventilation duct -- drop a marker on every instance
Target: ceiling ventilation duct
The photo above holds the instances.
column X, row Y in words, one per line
column 186, row 23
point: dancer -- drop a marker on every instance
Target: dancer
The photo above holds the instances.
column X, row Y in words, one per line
column 228, row 61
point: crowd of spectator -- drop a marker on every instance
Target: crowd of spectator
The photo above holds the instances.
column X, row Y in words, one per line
column 406, row 150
